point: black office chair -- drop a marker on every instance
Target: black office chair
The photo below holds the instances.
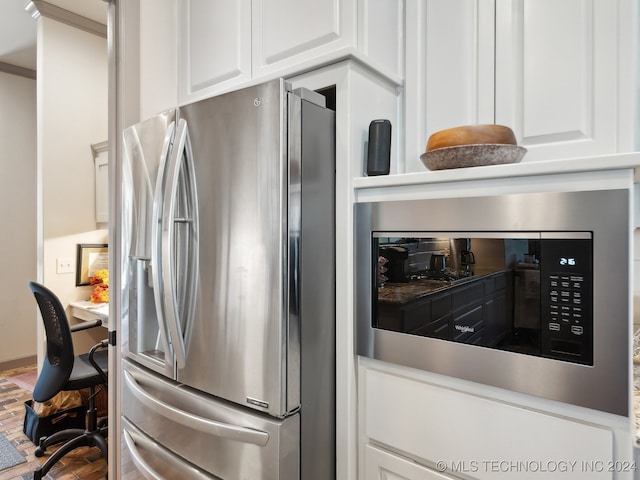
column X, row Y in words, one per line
column 62, row 371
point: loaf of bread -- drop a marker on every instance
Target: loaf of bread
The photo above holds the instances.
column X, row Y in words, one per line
column 471, row 135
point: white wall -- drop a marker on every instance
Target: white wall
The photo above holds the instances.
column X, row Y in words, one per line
column 72, row 115
column 18, row 215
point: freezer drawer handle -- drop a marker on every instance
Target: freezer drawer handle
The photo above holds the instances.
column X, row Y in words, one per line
column 147, row 471
column 231, row 432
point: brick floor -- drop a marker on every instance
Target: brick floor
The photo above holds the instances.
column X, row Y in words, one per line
column 82, row 464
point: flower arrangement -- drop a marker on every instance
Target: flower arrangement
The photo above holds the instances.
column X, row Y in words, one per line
column 100, row 293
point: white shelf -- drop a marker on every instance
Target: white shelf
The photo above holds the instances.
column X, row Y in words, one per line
column 587, row 173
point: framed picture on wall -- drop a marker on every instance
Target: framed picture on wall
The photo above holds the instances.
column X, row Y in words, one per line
column 91, row 258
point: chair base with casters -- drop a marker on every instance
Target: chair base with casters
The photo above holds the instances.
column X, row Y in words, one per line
column 93, row 436
column 64, row 371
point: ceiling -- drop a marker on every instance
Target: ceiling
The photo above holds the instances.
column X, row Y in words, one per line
column 18, row 31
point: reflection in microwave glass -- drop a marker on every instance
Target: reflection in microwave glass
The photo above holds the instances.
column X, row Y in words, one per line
column 525, row 295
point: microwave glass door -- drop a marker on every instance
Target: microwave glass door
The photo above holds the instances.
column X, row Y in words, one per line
column 525, row 292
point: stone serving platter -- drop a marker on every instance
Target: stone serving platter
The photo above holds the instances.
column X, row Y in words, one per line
column 472, row 156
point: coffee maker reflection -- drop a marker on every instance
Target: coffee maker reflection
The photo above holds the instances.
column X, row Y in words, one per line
column 397, row 263
column 467, row 258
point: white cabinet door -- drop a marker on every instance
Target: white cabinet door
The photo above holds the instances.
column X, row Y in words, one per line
column 287, row 32
column 214, row 46
column 449, row 69
column 382, row 465
column 556, row 75
column 225, row 45
column 555, row 72
column 467, row 434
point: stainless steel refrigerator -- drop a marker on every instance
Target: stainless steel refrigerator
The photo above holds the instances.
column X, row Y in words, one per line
column 228, row 298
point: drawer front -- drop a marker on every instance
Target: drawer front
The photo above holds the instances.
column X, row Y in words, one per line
column 466, row 295
column 418, row 419
column 216, row 436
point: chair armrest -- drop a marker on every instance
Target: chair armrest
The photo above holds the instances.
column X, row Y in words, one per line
column 96, row 347
column 85, row 325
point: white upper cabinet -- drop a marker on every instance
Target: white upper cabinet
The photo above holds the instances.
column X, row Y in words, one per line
column 560, row 74
column 226, row 45
column 292, row 31
column 215, row 47
column 449, row 69
column 556, row 75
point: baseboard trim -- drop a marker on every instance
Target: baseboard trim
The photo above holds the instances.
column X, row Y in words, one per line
column 18, row 362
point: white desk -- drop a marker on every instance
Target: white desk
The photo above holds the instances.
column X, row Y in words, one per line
column 88, row 312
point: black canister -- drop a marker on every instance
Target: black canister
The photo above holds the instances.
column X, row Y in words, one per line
column 379, row 148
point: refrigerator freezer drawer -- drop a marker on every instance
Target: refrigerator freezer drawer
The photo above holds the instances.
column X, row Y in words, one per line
column 151, row 460
column 214, row 435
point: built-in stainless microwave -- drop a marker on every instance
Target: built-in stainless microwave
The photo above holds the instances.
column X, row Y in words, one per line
column 525, row 292
column 528, row 292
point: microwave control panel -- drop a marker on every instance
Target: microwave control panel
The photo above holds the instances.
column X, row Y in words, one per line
column 566, row 299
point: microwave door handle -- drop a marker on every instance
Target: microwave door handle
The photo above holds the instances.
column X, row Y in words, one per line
column 146, row 469
column 196, row 422
column 155, row 264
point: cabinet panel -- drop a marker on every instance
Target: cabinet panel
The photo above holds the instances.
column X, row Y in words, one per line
column 564, row 85
column 467, row 295
column 496, row 320
column 283, row 29
column 440, row 305
column 440, row 424
column 489, row 285
column 381, row 465
column 415, row 315
column 449, row 69
column 440, row 328
column 215, row 44
column 556, row 75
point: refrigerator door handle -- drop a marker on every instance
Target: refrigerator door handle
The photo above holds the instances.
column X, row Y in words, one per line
column 155, row 265
column 145, row 468
column 168, row 266
column 218, row 429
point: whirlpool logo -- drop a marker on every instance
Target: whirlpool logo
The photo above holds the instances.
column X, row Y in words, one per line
column 465, row 328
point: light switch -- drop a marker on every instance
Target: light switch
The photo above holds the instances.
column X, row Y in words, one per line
column 65, row 265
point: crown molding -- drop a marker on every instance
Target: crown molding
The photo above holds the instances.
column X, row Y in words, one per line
column 15, row 70
column 39, row 8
